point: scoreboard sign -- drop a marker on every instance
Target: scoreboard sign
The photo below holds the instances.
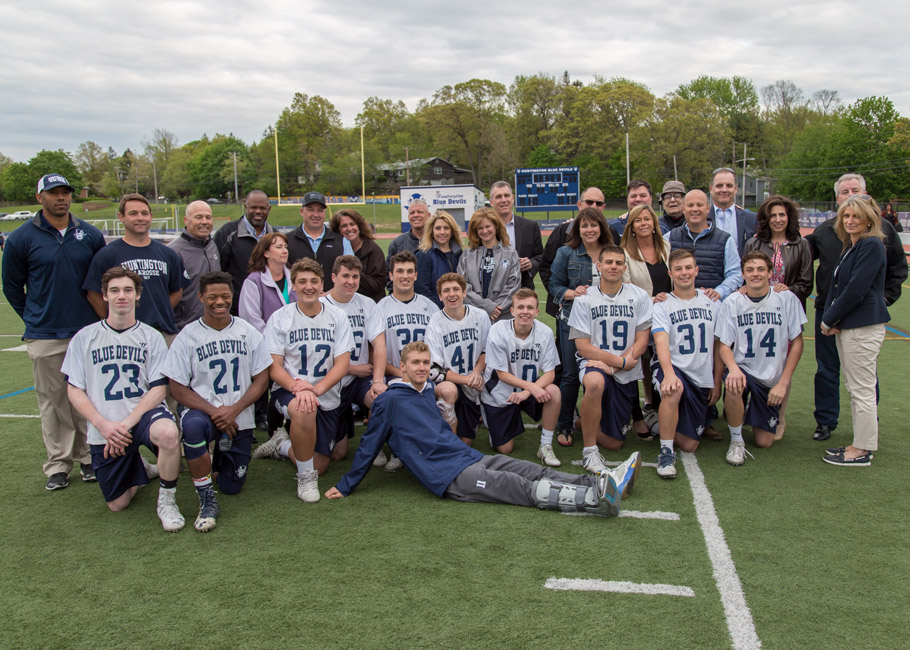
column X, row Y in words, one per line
column 546, row 188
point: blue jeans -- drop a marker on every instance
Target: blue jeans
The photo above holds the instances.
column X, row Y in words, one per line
column 569, row 384
column 827, row 377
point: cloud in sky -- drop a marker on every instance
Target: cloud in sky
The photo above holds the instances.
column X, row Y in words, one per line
column 112, row 72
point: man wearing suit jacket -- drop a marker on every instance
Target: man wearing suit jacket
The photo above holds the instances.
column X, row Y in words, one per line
column 737, row 222
column 524, row 234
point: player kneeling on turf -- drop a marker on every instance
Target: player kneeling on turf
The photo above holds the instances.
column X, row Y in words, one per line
column 685, row 370
column 457, row 337
column 113, row 368
column 407, row 418
column 610, row 325
column 755, row 330
column 310, row 343
column 521, row 367
column 218, row 367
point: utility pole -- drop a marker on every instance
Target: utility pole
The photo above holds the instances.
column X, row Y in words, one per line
column 234, row 156
column 675, row 175
column 155, row 175
column 407, row 165
column 628, row 177
column 744, row 161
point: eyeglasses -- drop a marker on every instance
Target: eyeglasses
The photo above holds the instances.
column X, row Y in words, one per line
column 599, row 204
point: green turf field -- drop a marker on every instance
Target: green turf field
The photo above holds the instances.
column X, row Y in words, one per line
column 818, row 552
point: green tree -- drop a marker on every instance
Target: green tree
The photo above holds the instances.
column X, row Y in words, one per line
column 16, row 183
column 206, row 166
column 93, row 162
column 535, row 105
column 306, row 130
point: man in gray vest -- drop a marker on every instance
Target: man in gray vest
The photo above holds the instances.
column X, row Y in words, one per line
column 315, row 240
column 199, row 254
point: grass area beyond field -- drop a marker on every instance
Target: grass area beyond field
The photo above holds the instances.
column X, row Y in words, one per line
column 818, row 550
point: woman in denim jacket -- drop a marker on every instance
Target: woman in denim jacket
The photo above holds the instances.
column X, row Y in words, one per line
column 571, row 274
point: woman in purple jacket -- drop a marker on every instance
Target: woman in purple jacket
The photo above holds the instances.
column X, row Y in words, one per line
column 268, row 286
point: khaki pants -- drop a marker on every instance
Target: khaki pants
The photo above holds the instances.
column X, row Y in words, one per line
column 858, row 349
column 63, row 429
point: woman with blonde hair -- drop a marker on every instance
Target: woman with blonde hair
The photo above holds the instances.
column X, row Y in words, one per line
column 855, row 314
column 351, row 225
column 438, row 253
column 490, row 266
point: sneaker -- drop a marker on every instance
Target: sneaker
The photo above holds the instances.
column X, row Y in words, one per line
column 545, row 453
column 381, row 459
column 308, row 486
column 262, row 425
column 608, row 495
column 594, row 463
column 650, row 417
column 666, row 463
column 150, row 470
column 88, row 474
column 168, row 512
column 57, row 481
column 208, row 510
column 841, row 459
column 710, row 433
column 626, row 474
column 736, row 454
column 394, row 463
column 822, row 432
column 269, row 448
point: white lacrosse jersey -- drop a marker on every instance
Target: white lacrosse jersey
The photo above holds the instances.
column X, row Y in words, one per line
column 363, row 318
column 115, row 369
column 759, row 332
column 404, row 322
column 689, row 325
column 610, row 322
column 526, row 358
column 311, row 345
column 219, row 365
column 457, row 344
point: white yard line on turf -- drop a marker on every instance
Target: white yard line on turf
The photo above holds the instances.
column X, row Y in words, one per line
column 19, row 336
column 634, row 514
column 14, row 415
column 578, row 584
column 612, row 463
column 739, row 618
column 18, row 348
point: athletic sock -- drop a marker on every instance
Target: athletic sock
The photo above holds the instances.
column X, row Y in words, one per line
column 546, row 436
column 587, row 451
column 304, row 466
column 167, row 485
column 284, row 448
column 667, row 443
column 202, row 484
column 736, row 434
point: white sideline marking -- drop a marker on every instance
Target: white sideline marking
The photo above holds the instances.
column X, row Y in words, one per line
column 18, row 348
column 612, row 463
column 635, row 514
column 578, row 584
column 14, row 415
column 6, row 336
column 739, row 618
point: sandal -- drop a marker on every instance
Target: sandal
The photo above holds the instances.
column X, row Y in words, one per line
column 564, row 438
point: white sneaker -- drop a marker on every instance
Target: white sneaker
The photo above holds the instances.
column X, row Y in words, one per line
column 626, row 474
column 168, row 512
column 381, row 459
column 150, row 470
column 736, row 454
column 594, row 463
column 269, row 448
column 394, row 463
column 308, row 486
column 545, row 453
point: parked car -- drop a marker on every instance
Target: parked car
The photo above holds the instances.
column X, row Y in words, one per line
column 21, row 214
column 2, row 214
column 213, row 201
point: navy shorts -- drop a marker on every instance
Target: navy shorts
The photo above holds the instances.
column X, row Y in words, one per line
column 117, row 474
column 231, row 465
column 693, row 405
column 353, row 393
column 615, row 405
column 758, row 414
column 468, row 414
column 327, row 430
column 504, row 422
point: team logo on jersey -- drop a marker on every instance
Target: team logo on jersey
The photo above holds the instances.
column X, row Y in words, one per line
column 79, row 234
column 241, row 471
column 482, row 485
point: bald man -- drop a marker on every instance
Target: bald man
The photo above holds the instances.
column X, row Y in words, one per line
column 199, row 254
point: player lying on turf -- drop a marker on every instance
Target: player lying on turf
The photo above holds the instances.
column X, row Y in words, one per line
column 685, row 369
column 519, row 378
column 310, row 343
column 761, row 340
column 407, row 418
column 113, row 368
column 218, row 367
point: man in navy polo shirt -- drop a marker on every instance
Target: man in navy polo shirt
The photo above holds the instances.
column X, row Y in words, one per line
column 160, row 267
column 44, row 265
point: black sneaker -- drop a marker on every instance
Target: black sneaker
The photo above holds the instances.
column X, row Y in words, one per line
column 88, row 474
column 822, row 432
column 57, row 481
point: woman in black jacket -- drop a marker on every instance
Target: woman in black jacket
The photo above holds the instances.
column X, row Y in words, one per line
column 855, row 314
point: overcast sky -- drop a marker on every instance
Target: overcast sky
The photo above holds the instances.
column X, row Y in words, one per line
column 114, row 71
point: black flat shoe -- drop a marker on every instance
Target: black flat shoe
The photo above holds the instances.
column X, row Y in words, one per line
column 822, row 432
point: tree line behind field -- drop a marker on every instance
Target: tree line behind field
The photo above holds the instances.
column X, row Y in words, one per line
column 801, row 142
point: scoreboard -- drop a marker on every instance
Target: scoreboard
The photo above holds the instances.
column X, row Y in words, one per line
column 546, row 188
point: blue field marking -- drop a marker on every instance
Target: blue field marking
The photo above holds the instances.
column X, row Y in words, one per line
column 18, row 392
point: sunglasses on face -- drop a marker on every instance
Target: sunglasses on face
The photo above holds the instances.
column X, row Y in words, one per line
column 590, row 202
